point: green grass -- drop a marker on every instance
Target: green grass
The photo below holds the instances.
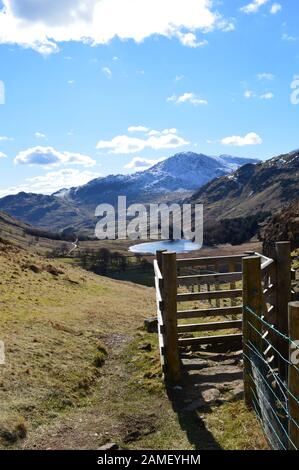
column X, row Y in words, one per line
column 136, row 275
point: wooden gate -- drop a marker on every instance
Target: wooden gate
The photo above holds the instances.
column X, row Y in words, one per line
column 197, row 297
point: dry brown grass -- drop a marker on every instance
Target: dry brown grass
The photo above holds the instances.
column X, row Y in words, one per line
column 52, row 321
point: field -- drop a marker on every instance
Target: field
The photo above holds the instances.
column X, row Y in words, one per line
column 80, row 370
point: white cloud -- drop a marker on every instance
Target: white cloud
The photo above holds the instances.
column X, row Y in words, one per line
column 289, row 38
column 71, row 82
column 42, row 26
column 106, row 71
column 173, row 130
column 156, row 140
column 4, row 138
column 187, row 98
column 138, row 129
column 249, row 94
column 140, row 164
column 40, row 135
column 190, row 40
column 48, row 156
column 2, row 155
column 267, row 96
column 178, row 78
column 52, row 182
column 154, row 132
column 238, row 141
column 275, row 8
column 254, row 6
column 265, row 76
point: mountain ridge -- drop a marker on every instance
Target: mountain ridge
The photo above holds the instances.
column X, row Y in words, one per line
column 252, row 192
column 171, row 179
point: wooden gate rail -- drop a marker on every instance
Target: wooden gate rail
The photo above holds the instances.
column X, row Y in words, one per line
column 209, row 312
column 209, row 261
column 220, row 294
column 212, row 278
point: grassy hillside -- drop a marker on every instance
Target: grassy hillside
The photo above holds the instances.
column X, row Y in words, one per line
column 80, row 371
column 18, row 233
column 25, row 236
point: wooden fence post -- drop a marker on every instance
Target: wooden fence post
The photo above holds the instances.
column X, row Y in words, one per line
column 159, row 254
column 253, row 299
column 283, row 297
column 293, row 376
column 172, row 359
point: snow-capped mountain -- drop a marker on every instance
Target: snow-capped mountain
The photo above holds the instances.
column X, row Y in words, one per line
column 184, row 172
column 172, row 179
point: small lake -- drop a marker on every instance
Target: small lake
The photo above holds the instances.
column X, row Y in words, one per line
column 179, row 246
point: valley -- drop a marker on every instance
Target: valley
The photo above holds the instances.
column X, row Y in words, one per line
column 235, row 204
column 73, row 309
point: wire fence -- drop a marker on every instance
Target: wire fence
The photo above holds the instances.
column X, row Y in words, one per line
column 271, row 396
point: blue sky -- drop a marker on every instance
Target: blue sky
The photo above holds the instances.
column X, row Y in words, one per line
column 112, row 86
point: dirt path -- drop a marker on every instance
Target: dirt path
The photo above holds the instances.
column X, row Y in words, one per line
column 93, row 425
column 212, row 378
column 123, row 411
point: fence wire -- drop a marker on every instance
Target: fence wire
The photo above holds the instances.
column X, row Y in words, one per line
column 270, row 392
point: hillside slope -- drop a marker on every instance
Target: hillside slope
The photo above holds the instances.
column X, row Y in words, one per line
column 46, row 212
column 284, row 225
column 264, row 187
column 22, row 235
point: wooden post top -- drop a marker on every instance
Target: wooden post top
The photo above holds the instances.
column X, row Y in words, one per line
column 283, row 243
column 159, row 254
column 294, row 305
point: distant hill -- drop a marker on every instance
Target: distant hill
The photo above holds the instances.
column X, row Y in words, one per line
column 47, row 212
column 236, row 202
column 172, row 179
column 14, row 232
